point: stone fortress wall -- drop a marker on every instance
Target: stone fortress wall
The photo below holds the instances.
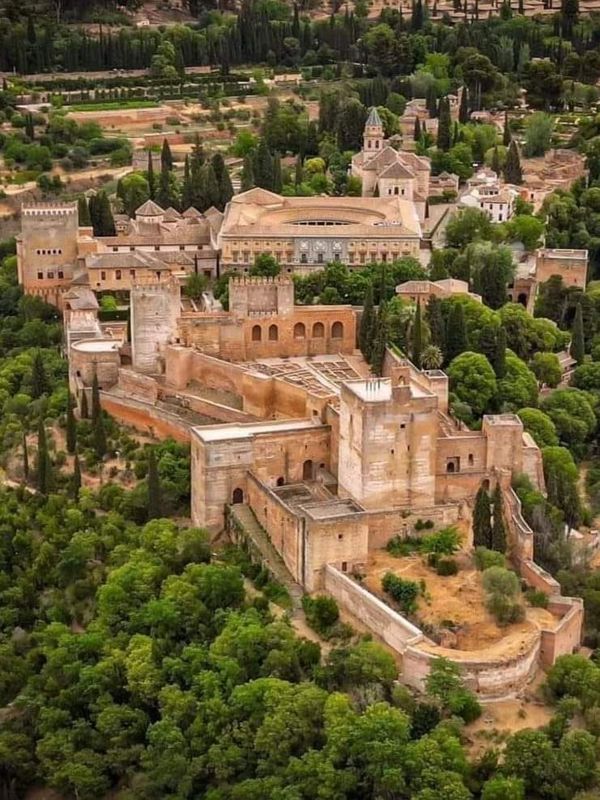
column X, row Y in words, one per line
column 331, row 463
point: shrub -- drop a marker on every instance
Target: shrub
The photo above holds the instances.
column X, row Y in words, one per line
column 423, row 525
column 484, row 558
column 497, row 580
column 505, row 609
column 537, row 598
column 444, row 542
column 404, row 592
column 321, row 612
column 399, row 546
column 464, row 704
column 446, row 566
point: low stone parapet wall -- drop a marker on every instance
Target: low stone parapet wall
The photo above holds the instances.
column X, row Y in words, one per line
column 491, row 673
column 145, row 418
column 136, row 385
column 394, row 629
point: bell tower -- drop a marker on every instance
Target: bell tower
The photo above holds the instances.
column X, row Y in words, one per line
column 373, row 135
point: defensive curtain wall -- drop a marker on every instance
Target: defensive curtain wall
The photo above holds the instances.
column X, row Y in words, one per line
column 496, row 671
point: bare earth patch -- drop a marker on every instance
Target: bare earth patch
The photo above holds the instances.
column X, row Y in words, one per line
column 455, row 601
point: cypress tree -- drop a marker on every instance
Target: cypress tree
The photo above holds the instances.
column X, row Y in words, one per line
column 482, row 521
column 380, row 339
column 153, row 487
column 84, row 411
column 512, row 166
column 76, row 478
column 223, row 181
column 83, row 213
column 39, row 379
column 577, row 348
column 151, row 176
column 506, row 137
column 496, row 161
column 211, row 188
column 25, row 458
column 417, row 130
column 277, row 179
column 106, row 222
column 498, row 524
column 444, row 125
column 99, row 434
column 456, row 332
column 367, row 321
column 71, row 426
column 29, row 127
column 99, row 438
column 435, row 320
column 43, row 461
column 187, row 194
column 96, row 408
column 298, row 172
column 247, row 177
column 164, row 196
column 417, row 338
column 463, row 109
column 263, row 166
column 166, row 158
column 431, row 101
column 499, row 358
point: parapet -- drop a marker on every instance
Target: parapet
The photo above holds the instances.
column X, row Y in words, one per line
column 50, row 209
column 260, row 280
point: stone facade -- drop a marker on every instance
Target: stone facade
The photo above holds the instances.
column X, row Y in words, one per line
column 305, row 233
column 387, row 172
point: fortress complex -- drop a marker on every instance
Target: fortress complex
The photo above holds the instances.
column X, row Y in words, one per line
column 331, row 461
column 314, row 463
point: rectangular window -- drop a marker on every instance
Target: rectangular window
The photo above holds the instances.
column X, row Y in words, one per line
column 115, row 249
column 102, row 275
column 61, row 274
column 303, row 258
column 157, row 247
column 118, row 274
column 40, row 276
column 51, row 275
column 132, row 273
column 319, row 258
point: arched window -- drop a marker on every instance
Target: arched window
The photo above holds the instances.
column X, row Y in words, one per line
column 280, row 481
column 522, row 299
column 238, row 496
column 450, row 466
column 256, row 333
column 273, row 333
column 318, row 330
column 337, row 330
column 299, row 331
column 307, row 470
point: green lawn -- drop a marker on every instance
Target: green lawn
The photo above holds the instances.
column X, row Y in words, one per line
column 113, row 105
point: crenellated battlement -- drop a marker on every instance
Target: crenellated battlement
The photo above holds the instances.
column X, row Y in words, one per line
column 49, row 209
column 261, row 280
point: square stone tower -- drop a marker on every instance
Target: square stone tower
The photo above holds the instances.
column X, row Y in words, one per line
column 47, row 248
column 261, row 296
column 387, row 444
column 154, row 313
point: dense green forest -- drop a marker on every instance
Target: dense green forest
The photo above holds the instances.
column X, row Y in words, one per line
column 486, row 54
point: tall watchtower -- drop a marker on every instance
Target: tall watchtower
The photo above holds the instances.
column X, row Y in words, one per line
column 47, row 248
column 373, row 133
column 155, row 306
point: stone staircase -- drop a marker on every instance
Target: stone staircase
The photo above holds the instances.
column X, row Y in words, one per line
column 246, row 521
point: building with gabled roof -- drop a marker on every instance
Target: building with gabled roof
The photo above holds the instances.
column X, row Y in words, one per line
column 387, row 172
